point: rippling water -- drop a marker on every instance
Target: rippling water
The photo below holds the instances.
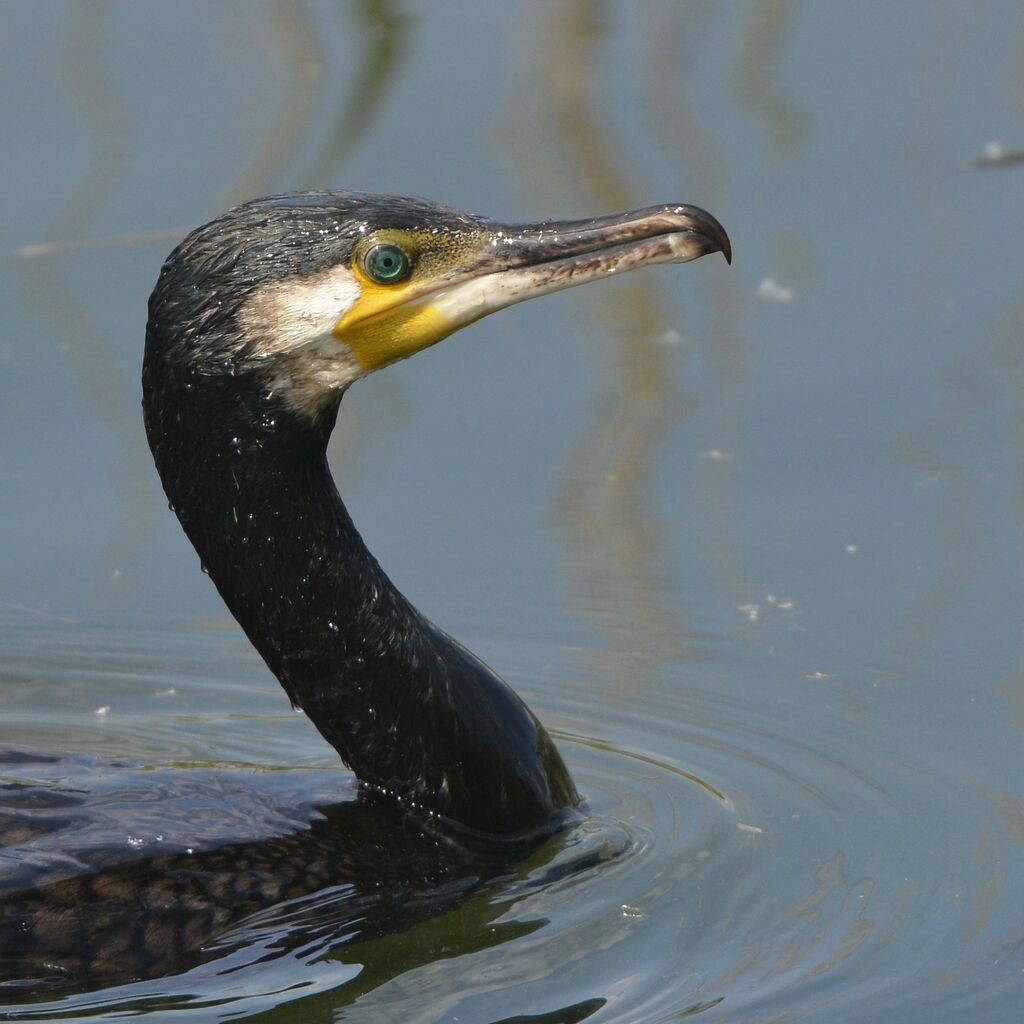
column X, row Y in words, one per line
column 749, row 541
column 747, row 848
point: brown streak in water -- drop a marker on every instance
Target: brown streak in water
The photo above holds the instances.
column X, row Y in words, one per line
column 616, row 544
column 753, row 73
column 987, row 892
column 728, row 349
column 50, row 295
column 967, row 388
column 979, row 378
column 127, row 240
column 296, row 48
column 383, row 31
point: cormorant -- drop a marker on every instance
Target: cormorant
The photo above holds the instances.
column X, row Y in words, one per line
column 259, row 322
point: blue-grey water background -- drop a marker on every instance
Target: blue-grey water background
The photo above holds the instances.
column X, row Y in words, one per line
column 749, row 540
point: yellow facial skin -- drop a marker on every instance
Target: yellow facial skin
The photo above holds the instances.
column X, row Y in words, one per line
column 389, row 322
column 460, row 274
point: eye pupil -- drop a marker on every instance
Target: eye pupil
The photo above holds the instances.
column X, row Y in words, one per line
column 386, row 263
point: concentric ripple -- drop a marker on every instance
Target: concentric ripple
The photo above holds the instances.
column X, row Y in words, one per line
column 747, row 854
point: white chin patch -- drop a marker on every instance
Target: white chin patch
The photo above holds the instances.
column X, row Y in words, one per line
column 288, row 328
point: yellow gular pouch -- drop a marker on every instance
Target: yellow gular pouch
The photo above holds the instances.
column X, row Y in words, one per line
column 389, row 321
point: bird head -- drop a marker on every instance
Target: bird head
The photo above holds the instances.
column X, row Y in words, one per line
column 314, row 290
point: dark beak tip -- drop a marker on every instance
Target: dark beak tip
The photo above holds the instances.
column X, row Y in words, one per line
column 713, row 232
column 718, row 242
column 721, row 240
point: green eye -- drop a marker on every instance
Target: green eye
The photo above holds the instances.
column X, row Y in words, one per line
column 386, row 264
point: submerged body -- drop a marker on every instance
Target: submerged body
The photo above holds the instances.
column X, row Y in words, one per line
column 258, row 324
column 111, row 871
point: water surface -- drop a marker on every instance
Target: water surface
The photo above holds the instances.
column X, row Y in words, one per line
column 748, row 540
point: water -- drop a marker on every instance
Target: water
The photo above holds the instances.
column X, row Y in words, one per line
column 749, row 541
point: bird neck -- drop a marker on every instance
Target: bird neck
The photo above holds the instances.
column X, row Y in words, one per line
column 408, row 709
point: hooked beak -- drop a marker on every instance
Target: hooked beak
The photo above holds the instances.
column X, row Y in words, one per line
column 621, row 241
column 512, row 263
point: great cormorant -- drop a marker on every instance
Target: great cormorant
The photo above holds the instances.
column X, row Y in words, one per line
column 259, row 322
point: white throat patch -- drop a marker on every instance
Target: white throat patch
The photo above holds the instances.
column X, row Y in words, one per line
column 289, row 327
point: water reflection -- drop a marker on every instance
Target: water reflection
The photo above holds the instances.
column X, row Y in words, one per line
column 618, row 560
column 725, row 347
column 291, row 42
column 800, row 845
column 383, row 30
column 969, row 384
column 50, row 270
column 758, row 61
column 314, row 112
column 49, row 289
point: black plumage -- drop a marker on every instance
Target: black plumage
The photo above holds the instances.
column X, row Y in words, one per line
column 250, row 346
column 409, row 710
